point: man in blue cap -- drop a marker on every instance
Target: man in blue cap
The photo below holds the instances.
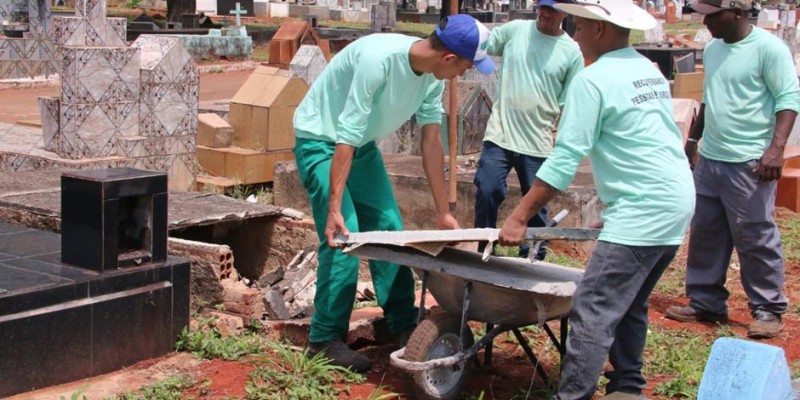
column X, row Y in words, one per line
column 368, row 91
column 539, row 61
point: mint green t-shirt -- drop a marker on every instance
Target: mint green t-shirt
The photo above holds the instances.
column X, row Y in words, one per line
column 624, row 123
column 745, row 84
column 535, row 73
column 367, row 92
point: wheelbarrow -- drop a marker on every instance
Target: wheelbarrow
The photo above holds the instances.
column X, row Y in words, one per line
column 503, row 292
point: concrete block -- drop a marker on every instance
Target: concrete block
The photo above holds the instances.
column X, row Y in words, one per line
column 742, row 369
column 213, row 131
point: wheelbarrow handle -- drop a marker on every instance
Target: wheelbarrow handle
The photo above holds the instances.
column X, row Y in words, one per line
column 396, row 359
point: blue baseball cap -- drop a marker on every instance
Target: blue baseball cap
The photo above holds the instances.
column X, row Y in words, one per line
column 546, row 3
column 469, row 39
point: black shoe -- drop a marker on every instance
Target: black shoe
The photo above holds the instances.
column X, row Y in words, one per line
column 340, row 355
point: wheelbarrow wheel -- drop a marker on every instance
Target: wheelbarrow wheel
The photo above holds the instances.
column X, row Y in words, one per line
column 438, row 337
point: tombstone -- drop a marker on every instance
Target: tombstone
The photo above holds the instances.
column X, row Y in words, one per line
column 28, row 50
column 768, row 19
column 473, row 109
column 176, row 8
column 383, row 16
column 655, row 35
column 113, row 218
column 207, row 23
column 311, row 20
column 308, row 63
column 137, row 103
column 142, row 26
column 190, row 21
column 93, row 317
column 226, row 7
column 488, row 82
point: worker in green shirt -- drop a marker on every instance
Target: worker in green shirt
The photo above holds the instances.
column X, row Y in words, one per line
column 539, row 61
column 750, row 102
column 618, row 113
column 368, row 91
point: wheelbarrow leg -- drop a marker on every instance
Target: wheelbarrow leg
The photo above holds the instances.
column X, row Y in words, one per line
column 423, row 292
column 465, row 331
column 487, row 355
column 524, row 344
column 561, row 345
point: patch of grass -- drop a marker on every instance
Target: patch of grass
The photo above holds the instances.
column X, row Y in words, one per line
column 291, row 375
column 683, row 28
column 415, row 29
column 680, row 356
column 790, row 238
column 672, row 282
column 795, row 370
column 207, row 342
column 537, row 390
column 260, row 54
column 564, row 260
column 504, row 251
column 263, row 194
column 168, row 389
column 77, row 395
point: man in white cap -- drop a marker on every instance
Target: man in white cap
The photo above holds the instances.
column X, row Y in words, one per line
column 539, row 61
column 367, row 91
column 750, row 102
column 618, row 112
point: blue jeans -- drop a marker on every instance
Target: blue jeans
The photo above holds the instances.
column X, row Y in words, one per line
column 490, row 179
column 609, row 318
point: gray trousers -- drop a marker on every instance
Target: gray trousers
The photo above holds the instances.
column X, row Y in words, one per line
column 734, row 210
column 609, row 317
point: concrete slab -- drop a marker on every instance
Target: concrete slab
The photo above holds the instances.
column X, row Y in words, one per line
column 38, row 195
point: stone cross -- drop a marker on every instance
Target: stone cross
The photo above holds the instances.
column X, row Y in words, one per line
column 238, row 12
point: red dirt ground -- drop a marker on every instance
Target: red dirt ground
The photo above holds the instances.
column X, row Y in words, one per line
column 511, row 373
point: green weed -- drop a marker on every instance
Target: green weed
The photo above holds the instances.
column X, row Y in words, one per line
column 679, row 355
column 169, row 389
column 292, row 375
column 77, row 395
column 207, row 342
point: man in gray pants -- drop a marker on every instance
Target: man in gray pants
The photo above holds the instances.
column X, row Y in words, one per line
column 750, row 102
column 623, row 122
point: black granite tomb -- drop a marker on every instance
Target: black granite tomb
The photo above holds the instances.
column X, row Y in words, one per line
column 113, row 218
column 59, row 322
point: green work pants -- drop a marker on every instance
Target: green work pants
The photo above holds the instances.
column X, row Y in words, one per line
column 368, row 204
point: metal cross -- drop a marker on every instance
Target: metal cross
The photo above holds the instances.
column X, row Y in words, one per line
column 238, row 12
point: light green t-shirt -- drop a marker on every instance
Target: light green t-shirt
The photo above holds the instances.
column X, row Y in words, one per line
column 745, row 84
column 535, row 73
column 367, row 92
column 624, row 123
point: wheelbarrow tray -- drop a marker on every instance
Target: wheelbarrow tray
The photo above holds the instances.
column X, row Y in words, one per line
column 505, row 291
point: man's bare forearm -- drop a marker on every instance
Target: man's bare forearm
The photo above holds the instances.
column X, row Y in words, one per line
column 533, row 201
column 784, row 121
column 696, row 131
